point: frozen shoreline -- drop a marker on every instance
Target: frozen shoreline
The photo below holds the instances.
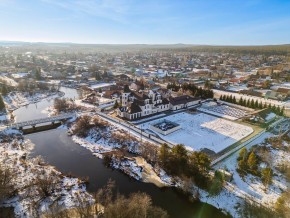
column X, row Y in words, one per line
column 28, row 171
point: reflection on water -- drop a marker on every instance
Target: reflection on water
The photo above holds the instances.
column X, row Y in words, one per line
column 58, row 149
column 35, row 111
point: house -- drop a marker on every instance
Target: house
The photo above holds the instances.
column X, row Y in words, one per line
column 140, row 104
column 137, row 85
column 183, row 101
column 145, row 103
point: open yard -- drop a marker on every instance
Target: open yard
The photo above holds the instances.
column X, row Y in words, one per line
column 200, row 131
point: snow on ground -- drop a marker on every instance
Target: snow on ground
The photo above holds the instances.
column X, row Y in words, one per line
column 148, row 118
column 250, row 187
column 224, row 111
column 15, row 100
column 128, row 166
column 3, row 117
column 14, row 154
column 199, row 131
column 101, row 85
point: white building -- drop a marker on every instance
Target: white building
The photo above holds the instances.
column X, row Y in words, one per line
column 138, row 104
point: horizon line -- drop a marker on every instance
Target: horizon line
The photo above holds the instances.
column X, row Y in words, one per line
column 152, row 44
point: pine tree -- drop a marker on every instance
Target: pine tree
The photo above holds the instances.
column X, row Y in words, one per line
column 221, row 97
column 252, row 161
column 252, row 104
column 241, row 101
column 265, row 105
column 248, row 103
column 266, row 176
column 260, row 105
column 256, row 104
column 274, row 109
column 231, row 99
column 2, row 105
column 234, row 100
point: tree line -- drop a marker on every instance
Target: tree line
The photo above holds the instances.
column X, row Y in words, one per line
column 250, row 103
column 194, row 90
column 195, row 166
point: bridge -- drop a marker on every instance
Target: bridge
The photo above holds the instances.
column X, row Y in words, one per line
column 33, row 123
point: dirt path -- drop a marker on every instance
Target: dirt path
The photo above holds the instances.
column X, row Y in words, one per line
column 148, row 174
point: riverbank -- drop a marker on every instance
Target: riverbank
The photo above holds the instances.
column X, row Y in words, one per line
column 15, row 100
column 36, row 185
column 110, row 140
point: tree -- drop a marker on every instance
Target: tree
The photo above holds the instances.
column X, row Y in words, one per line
column 252, row 104
column 4, row 90
column 252, row 162
column 2, row 104
column 201, row 161
column 164, row 155
column 6, row 182
column 266, row 176
column 38, row 74
column 82, row 126
column 60, row 104
column 179, row 159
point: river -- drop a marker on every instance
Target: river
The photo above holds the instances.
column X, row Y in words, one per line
column 58, row 149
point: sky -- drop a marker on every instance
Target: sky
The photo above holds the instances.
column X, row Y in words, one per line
column 210, row 22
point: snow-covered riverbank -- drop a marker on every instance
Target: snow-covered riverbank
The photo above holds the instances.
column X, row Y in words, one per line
column 37, row 185
column 107, row 138
column 15, row 100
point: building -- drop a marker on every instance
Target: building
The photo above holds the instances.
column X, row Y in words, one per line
column 140, row 104
column 183, row 101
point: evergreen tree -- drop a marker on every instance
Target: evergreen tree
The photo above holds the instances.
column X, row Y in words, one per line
column 248, row 103
column 265, row 105
column 234, row 100
column 240, row 102
column 274, row 109
column 252, row 104
column 266, row 176
column 164, row 155
column 256, row 104
column 252, row 162
column 260, row 105
column 231, row 99
column 221, row 97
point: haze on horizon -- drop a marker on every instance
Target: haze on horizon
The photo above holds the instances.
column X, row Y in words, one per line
column 211, row 22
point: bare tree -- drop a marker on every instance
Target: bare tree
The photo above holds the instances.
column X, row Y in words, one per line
column 6, row 182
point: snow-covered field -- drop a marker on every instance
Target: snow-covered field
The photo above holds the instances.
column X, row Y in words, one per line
column 224, row 111
column 199, row 131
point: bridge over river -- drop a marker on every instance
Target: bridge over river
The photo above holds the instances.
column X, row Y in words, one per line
column 33, row 123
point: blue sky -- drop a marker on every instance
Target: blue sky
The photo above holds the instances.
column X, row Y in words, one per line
column 214, row 22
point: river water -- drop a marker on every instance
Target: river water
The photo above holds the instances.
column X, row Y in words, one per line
column 58, row 149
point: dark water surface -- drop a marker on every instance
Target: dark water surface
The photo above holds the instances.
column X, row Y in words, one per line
column 58, row 149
